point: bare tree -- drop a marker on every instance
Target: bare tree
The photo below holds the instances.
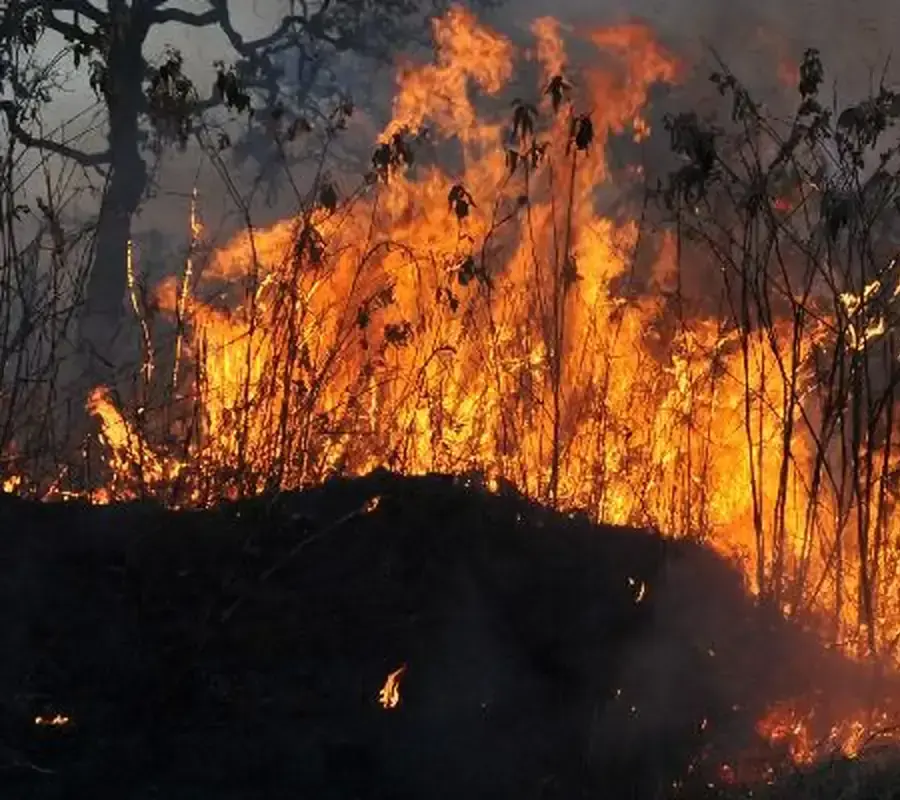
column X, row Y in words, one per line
column 110, row 43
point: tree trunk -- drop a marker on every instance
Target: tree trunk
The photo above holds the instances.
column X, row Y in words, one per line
column 102, row 315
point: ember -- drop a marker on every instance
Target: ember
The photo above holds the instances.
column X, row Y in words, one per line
column 56, row 721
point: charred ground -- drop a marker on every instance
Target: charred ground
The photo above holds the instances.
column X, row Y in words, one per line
column 238, row 652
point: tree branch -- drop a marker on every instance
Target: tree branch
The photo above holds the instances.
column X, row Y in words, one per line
column 182, row 17
column 219, row 14
column 82, row 7
column 68, row 30
column 62, row 149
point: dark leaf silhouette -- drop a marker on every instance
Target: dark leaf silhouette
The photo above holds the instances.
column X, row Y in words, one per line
column 524, row 116
column 811, row 74
column 392, row 154
column 460, row 201
column 398, row 334
column 557, row 89
column 328, row 197
column 570, row 274
column 581, row 133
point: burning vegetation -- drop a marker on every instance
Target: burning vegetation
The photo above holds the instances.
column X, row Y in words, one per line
column 478, row 305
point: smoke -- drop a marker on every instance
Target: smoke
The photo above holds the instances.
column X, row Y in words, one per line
column 854, row 36
column 752, row 37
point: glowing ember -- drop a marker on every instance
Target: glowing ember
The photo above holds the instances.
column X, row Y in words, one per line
column 640, row 589
column 56, row 721
column 389, row 696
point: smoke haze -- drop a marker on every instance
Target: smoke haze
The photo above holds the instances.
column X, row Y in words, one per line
column 761, row 40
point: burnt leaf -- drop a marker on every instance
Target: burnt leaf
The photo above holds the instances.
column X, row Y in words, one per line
column 557, row 89
column 398, row 334
column 363, row 317
column 524, row 116
column 812, row 74
column 460, row 201
column 581, row 133
column 570, row 273
column 466, row 271
column 392, row 154
column 328, row 197
column 229, row 89
column 309, row 246
column 299, row 125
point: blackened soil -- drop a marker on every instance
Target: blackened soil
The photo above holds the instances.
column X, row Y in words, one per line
column 239, row 652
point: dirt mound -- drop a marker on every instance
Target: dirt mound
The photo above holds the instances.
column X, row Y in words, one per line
column 240, row 652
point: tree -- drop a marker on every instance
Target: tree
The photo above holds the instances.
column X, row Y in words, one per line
column 110, row 43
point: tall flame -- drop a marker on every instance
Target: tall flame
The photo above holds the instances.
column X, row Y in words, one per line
column 473, row 317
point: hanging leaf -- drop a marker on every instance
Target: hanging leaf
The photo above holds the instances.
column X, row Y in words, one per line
column 460, row 201
column 466, row 271
column 557, row 89
column 570, row 273
column 581, row 133
column 363, row 318
column 328, row 198
column 524, row 116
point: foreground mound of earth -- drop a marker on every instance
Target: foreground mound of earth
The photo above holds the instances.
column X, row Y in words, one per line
column 240, row 652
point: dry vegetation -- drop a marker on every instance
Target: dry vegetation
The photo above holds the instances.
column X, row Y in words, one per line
column 716, row 360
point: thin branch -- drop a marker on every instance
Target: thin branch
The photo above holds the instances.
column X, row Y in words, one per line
column 219, row 14
column 83, row 7
column 59, row 148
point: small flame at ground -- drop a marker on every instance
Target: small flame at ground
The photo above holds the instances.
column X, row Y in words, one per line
column 389, row 696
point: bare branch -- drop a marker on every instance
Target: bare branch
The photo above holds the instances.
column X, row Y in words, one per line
column 219, row 14
column 182, row 17
column 68, row 30
column 83, row 7
column 49, row 145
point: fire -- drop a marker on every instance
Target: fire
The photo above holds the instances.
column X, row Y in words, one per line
column 389, row 695
column 481, row 318
column 474, row 319
column 787, row 727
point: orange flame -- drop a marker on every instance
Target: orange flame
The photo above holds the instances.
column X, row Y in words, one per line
column 473, row 320
column 389, row 695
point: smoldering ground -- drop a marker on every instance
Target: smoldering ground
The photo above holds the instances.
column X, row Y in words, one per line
column 243, row 649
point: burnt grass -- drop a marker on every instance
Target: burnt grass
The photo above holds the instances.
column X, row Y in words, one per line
column 239, row 652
